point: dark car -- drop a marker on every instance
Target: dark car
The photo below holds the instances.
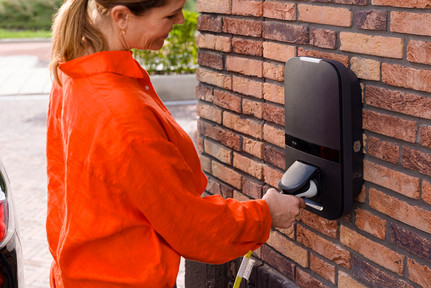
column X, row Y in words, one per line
column 11, row 269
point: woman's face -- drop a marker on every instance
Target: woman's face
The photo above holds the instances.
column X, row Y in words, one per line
column 149, row 30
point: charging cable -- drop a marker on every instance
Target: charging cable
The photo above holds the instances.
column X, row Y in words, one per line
column 244, row 270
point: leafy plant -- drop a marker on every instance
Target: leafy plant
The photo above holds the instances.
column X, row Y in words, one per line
column 178, row 55
column 21, row 14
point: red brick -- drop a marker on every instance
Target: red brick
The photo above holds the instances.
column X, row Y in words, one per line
column 273, row 92
column 251, row 188
column 318, row 54
column 278, row 52
column 218, row 151
column 323, row 38
column 220, row 134
column 400, row 210
column 240, row 196
column 285, row 32
column 419, row 51
column 407, row 77
column 403, row 4
column 252, row 147
column 247, row 46
column 273, row 71
column 426, row 191
column 350, row 2
column 371, row 20
column 361, row 197
column 271, row 176
column 227, row 100
column 213, row 42
column 248, row 165
column 247, row 86
column 221, row 7
column 279, row 10
column 252, row 108
column 383, row 46
column 324, row 226
column 243, row 125
column 226, row 174
column 274, row 135
column 327, row 249
column 273, row 113
column 373, row 276
column 384, row 150
column 210, row 59
column 425, row 136
column 366, row 69
column 323, row 268
column 334, row 16
column 410, row 240
column 399, row 182
column 274, row 156
column 245, row 27
column 371, row 250
column 276, row 260
column 245, row 66
column 288, row 248
column 420, row 274
column 303, row 279
column 416, row 160
column 209, row 112
column 247, row 8
column 391, row 126
column 200, row 143
column 346, row 281
column 411, row 23
column 209, row 23
column 204, row 92
column 205, row 163
column 214, row 187
column 214, row 78
column 397, row 101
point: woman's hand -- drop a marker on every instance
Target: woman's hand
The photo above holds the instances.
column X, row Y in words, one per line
column 284, row 208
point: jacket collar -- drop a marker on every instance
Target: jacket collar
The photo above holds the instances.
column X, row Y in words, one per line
column 119, row 62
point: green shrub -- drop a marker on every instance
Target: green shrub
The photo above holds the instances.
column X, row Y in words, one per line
column 178, row 55
column 24, row 14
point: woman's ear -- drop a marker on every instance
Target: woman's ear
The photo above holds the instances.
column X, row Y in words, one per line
column 120, row 15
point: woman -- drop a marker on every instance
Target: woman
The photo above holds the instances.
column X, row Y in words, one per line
column 124, row 180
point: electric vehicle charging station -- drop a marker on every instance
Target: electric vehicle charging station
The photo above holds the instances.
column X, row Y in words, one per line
column 323, row 135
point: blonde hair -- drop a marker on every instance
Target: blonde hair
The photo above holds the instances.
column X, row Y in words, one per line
column 73, row 30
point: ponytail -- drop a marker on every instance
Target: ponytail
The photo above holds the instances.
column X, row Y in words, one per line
column 72, row 33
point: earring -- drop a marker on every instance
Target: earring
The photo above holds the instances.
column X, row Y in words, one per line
column 123, row 32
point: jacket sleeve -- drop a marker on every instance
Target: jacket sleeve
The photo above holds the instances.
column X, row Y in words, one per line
column 210, row 229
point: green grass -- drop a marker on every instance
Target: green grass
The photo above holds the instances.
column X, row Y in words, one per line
column 15, row 34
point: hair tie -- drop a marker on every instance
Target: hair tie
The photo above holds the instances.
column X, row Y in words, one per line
column 101, row 9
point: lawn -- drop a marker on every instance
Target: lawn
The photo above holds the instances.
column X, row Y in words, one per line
column 16, row 34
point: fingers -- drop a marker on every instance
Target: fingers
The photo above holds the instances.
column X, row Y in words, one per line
column 284, row 209
column 302, row 203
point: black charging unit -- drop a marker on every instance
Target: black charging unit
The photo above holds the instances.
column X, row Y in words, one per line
column 323, row 135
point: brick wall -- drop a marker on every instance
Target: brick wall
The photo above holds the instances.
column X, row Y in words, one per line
column 386, row 240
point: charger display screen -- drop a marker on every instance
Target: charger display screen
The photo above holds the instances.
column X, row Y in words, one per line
column 313, row 149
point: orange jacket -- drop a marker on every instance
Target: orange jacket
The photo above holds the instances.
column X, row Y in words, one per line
column 125, row 184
